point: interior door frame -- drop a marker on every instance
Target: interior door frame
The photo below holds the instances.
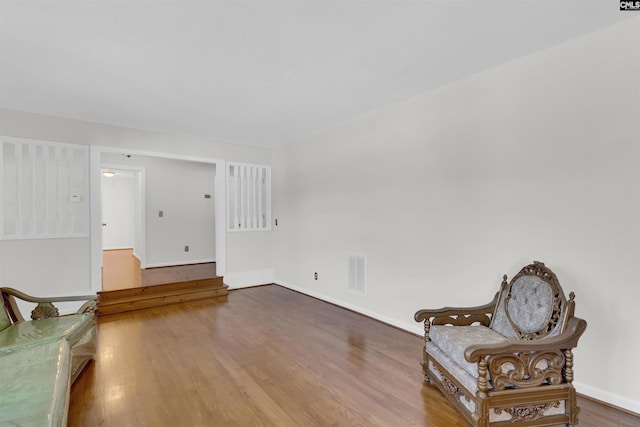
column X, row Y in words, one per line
column 95, row 166
column 139, row 173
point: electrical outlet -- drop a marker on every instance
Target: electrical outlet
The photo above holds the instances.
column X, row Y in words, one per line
column 186, row 248
column 315, row 276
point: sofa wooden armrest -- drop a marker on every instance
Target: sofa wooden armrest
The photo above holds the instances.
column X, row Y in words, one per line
column 45, row 307
column 46, row 325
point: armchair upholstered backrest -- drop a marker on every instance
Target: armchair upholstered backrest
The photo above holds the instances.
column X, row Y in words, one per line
column 532, row 305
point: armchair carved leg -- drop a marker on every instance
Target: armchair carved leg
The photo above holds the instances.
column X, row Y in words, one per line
column 427, row 325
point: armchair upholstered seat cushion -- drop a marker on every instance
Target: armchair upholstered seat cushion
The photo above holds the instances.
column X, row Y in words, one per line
column 454, row 340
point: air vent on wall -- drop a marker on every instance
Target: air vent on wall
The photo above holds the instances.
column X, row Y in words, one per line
column 357, row 273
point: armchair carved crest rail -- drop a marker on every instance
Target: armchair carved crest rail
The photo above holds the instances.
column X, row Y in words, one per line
column 40, row 358
column 508, row 362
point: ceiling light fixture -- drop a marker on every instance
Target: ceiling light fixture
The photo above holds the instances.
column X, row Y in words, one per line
column 108, row 174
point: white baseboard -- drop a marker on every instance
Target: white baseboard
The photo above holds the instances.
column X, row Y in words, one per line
column 587, row 390
column 608, row 397
column 182, row 262
column 414, row 329
column 246, row 279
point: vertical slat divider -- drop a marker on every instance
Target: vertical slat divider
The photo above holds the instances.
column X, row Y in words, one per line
column 243, row 198
column 18, row 159
column 240, row 201
column 247, row 191
column 58, row 157
column 254, row 219
column 234, row 202
column 32, row 189
column 45, row 216
column 260, row 212
column 236, row 223
column 254, row 197
column 70, row 216
column 267, row 198
column 85, row 188
column 236, row 218
column 231, row 197
column 230, row 194
column 248, row 206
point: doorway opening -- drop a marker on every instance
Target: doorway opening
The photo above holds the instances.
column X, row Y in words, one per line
column 123, row 226
column 160, row 218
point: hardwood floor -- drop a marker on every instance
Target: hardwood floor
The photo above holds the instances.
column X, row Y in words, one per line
column 121, row 270
column 263, row 356
column 178, row 273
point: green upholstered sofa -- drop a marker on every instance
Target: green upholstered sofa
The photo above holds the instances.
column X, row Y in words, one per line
column 35, row 384
column 508, row 362
column 47, row 352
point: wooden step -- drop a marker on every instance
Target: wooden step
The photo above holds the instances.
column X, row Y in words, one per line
column 156, row 294
column 124, row 300
column 150, row 289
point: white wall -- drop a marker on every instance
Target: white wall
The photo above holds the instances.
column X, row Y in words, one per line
column 60, row 267
column 256, row 245
column 537, row 159
column 188, row 217
column 65, row 277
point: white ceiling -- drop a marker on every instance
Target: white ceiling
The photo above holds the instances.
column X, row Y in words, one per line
column 262, row 72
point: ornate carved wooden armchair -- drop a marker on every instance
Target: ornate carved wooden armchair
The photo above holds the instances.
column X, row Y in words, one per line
column 509, row 362
column 46, row 326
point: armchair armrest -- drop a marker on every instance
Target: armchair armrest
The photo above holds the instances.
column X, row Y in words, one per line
column 523, row 364
column 566, row 340
column 458, row 316
column 45, row 307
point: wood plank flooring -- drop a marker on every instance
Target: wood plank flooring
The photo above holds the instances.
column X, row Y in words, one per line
column 178, row 273
column 121, row 270
column 263, row 356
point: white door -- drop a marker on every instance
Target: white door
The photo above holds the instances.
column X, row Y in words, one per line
column 118, row 210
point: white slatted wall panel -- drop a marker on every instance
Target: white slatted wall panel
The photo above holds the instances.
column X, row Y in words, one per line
column 248, row 197
column 44, row 189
